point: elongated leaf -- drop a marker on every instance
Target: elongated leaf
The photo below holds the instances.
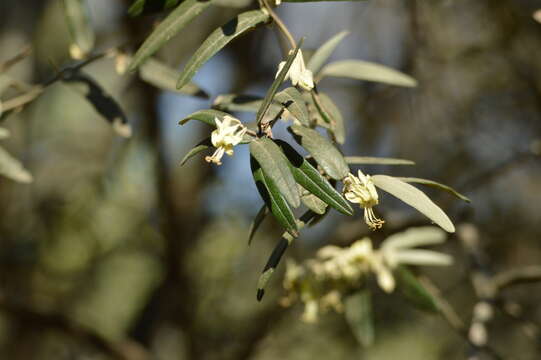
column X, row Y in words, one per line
column 102, row 102
column 360, row 317
column 292, row 100
column 363, row 70
column 234, row 102
column 164, row 77
column 369, row 160
column 326, row 155
column 206, row 116
column 220, row 38
column 278, row 252
column 273, row 198
column 82, row 34
column 201, row 146
column 313, row 203
column 143, row 7
column 276, row 166
column 277, row 82
column 415, row 198
column 323, row 53
column 236, row 4
column 258, row 220
column 13, row 169
column 436, row 185
column 309, row 178
column 330, row 114
column 414, row 291
column 173, row 23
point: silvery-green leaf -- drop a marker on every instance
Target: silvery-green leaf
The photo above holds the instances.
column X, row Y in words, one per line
column 82, row 34
column 415, row 198
column 417, row 236
column 325, row 154
column 273, row 198
column 206, row 116
column 369, row 160
column 359, row 315
column 278, row 252
column 173, row 23
column 164, row 77
column 310, row 179
column 233, row 3
column 414, row 291
column 275, row 166
column 234, row 102
column 143, row 7
column 313, row 203
column 331, row 114
column 220, row 38
column 421, row 257
column 276, row 83
column 323, row 53
column 292, row 100
column 436, row 185
column 258, row 220
column 201, row 146
column 363, row 70
column 12, row 168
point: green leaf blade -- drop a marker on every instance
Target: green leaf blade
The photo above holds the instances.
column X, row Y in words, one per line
column 359, row 315
column 369, row 160
column 367, row 71
column 80, row 28
column 292, row 100
column 200, row 147
column 323, row 53
column 218, row 39
column 414, row 291
column 436, row 185
column 206, row 116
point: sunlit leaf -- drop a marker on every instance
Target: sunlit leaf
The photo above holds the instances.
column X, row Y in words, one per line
column 173, row 23
column 258, row 220
column 237, row 4
column 313, row 203
column 234, row 102
column 275, row 166
column 13, row 169
column 164, row 77
column 220, row 38
column 201, row 146
column 82, row 34
column 414, row 291
column 359, row 315
column 310, row 179
column 415, row 198
column 363, row 70
column 206, row 116
column 323, row 53
column 292, row 100
column 436, row 185
column 369, row 160
column 273, row 198
column 325, row 154
column 276, row 83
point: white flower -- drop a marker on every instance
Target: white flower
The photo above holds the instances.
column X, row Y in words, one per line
column 298, row 73
column 228, row 133
column 361, row 190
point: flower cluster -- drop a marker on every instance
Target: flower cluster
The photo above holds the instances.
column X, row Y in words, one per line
column 320, row 283
column 229, row 132
column 361, row 190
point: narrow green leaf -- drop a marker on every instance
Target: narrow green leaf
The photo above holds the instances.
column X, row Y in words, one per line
column 330, row 114
column 201, row 146
column 414, row 291
column 173, row 23
column 277, row 82
column 326, row 155
column 258, row 220
column 369, row 160
column 278, row 252
column 206, row 116
column 144, row 7
column 234, row 102
column 292, row 100
column 313, row 203
column 82, row 34
column 164, row 77
column 273, row 198
column 236, row 4
column 363, row 70
column 13, row 169
column 309, row 178
column 220, row 38
column 323, row 53
column 414, row 198
column 436, row 185
column 275, row 166
column 359, row 315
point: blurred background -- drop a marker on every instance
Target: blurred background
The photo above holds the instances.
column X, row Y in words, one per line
column 116, row 251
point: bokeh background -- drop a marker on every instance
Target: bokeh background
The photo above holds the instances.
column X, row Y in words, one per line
column 116, row 251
